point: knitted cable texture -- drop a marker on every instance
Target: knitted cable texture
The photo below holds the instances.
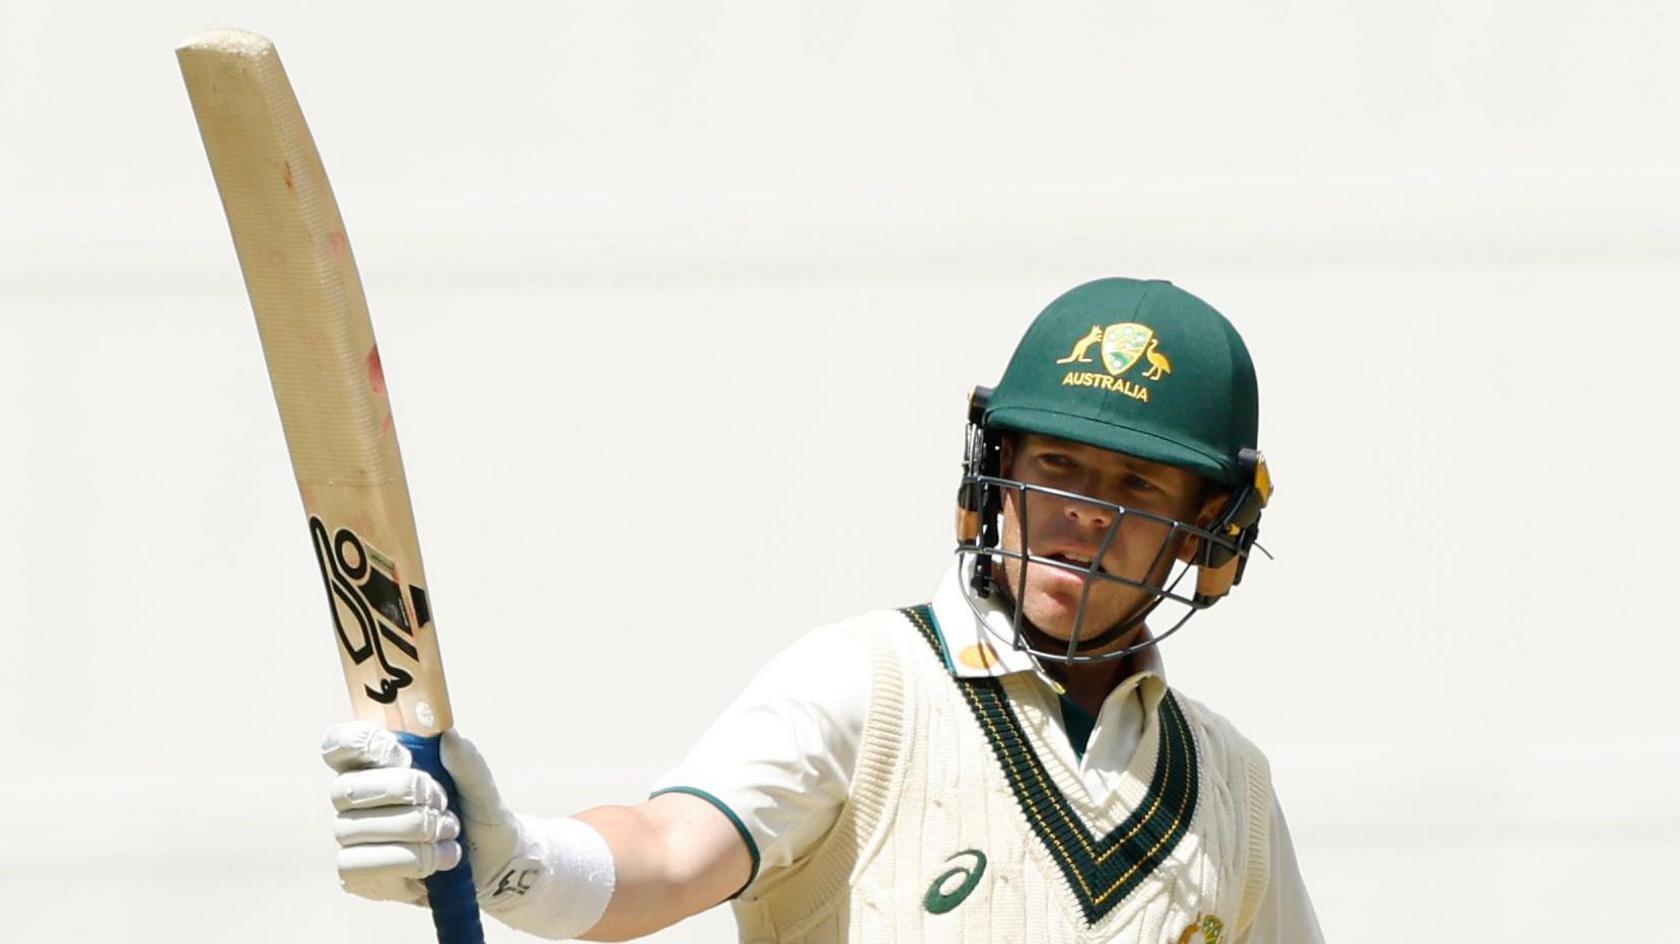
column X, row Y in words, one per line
column 967, row 822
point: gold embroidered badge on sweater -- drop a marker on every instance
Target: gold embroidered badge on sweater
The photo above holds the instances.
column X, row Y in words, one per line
column 1204, row 930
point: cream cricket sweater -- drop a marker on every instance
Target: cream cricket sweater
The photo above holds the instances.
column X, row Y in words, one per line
column 962, row 826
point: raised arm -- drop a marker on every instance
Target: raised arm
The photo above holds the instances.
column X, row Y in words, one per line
column 761, row 787
column 610, row 873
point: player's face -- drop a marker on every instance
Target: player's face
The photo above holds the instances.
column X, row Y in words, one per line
column 1073, row 531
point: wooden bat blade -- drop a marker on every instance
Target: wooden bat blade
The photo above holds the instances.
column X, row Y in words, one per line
column 324, row 365
column 330, row 387
column 296, row 259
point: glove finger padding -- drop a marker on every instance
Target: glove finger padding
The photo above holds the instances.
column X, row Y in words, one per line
column 386, row 786
column 409, row 890
column 358, row 745
column 417, row 824
column 394, row 860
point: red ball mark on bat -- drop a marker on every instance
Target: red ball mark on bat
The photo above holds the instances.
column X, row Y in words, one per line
column 340, row 245
column 290, row 183
column 375, row 371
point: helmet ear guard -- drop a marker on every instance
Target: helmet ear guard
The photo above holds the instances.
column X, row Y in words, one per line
column 979, row 502
column 1220, row 564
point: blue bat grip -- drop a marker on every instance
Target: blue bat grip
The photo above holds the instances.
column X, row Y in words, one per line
column 453, row 898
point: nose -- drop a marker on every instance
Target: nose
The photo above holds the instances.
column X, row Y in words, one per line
column 1089, row 515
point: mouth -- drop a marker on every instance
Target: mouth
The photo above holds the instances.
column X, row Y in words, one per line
column 1076, row 560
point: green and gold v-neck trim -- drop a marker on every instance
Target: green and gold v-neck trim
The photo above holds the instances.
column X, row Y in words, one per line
column 1100, row 870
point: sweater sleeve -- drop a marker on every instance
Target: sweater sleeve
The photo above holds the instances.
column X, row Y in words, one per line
column 778, row 761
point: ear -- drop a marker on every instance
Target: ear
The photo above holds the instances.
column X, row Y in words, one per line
column 1213, row 505
column 1006, row 456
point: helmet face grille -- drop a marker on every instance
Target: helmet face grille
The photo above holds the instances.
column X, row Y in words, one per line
column 985, row 563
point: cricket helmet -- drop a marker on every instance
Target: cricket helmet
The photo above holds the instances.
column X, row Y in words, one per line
column 1136, row 367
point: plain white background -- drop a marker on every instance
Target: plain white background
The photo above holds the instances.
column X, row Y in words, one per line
column 679, row 304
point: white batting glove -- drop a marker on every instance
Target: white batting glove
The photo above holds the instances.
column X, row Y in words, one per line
column 550, row 877
column 393, row 828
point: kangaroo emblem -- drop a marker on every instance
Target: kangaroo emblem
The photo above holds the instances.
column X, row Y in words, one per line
column 1078, row 355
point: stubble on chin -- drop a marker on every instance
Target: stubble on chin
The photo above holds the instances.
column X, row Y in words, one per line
column 1056, row 614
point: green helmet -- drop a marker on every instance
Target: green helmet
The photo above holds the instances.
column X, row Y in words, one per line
column 1137, row 367
column 1143, row 368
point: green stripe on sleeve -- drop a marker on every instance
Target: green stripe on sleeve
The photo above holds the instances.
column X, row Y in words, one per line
column 740, row 827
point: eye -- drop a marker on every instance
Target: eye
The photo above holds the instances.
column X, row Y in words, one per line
column 1055, row 460
column 1138, row 483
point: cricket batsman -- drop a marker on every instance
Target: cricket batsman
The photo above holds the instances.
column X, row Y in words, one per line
column 1003, row 762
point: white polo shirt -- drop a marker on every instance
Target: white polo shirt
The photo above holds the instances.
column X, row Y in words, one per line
column 778, row 761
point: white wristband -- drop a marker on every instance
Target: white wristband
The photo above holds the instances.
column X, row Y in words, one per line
column 559, row 884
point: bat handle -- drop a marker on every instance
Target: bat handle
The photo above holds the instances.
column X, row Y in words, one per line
column 454, row 900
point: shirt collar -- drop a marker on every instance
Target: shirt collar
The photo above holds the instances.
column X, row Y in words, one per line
column 976, row 635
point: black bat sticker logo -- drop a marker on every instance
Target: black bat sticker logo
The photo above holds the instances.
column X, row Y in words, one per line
column 357, row 584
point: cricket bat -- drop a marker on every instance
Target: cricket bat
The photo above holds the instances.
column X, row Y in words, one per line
column 325, row 369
